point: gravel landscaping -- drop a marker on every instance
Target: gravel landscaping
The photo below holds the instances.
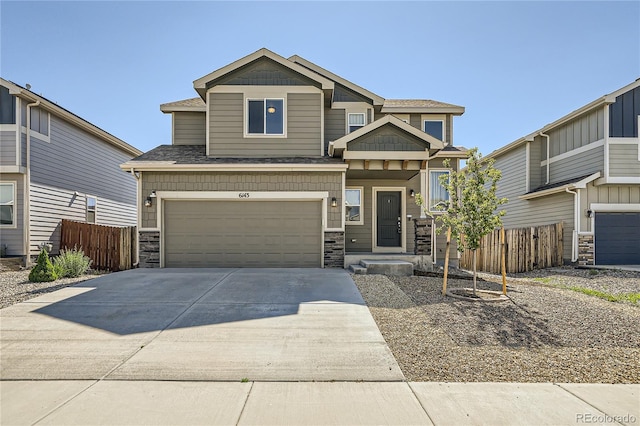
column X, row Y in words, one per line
column 544, row 333
column 15, row 286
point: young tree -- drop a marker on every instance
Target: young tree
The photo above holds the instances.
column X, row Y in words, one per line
column 473, row 204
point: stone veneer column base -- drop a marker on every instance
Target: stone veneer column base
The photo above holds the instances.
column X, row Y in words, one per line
column 334, row 249
column 149, row 249
column 423, row 234
column 585, row 250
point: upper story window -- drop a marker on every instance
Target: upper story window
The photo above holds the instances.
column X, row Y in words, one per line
column 438, row 194
column 356, row 120
column 353, row 206
column 91, row 209
column 7, row 204
column 7, row 107
column 39, row 119
column 265, row 116
column 434, row 128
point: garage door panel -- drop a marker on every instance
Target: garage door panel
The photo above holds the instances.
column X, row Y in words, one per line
column 242, row 233
column 617, row 237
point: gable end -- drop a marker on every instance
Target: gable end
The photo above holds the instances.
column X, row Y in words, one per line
column 263, row 72
column 387, row 138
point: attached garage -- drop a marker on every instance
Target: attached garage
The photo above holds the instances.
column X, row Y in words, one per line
column 242, row 233
column 617, row 238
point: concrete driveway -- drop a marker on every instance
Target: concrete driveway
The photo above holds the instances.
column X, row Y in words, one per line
column 198, row 324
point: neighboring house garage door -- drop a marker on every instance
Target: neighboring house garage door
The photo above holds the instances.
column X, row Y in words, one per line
column 616, row 238
column 242, row 233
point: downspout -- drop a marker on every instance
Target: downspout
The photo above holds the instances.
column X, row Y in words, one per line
column 138, row 216
column 27, row 188
column 548, row 163
column 576, row 224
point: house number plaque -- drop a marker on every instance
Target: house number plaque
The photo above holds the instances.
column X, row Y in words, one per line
column 243, row 195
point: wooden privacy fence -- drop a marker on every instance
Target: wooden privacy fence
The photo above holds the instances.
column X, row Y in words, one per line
column 111, row 248
column 526, row 249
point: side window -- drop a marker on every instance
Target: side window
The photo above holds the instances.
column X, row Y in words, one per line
column 91, row 209
column 434, row 128
column 355, row 121
column 265, row 117
column 7, row 204
column 7, row 107
column 438, row 194
column 39, row 119
column 353, row 206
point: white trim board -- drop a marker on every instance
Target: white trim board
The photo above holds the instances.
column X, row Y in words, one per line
column 573, row 152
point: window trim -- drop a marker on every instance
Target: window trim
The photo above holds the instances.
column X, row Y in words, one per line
column 444, row 129
column 430, row 189
column 95, row 209
column 265, row 135
column 354, row 222
column 35, row 133
column 14, row 224
column 363, row 114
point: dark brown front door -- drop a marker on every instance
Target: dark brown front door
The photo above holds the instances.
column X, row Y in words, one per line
column 389, row 220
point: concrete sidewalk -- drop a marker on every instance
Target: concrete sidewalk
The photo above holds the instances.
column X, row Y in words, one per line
column 116, row 402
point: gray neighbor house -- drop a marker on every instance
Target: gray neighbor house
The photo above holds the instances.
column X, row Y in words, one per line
column 280, row 163
column 55, row 165
column 583, row 170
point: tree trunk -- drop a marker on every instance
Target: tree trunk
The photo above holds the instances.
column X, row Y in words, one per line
column 474, row 272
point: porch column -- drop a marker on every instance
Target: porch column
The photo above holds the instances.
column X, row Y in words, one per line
column 423, row 190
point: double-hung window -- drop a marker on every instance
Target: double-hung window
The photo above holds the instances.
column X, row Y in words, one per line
column 265, row 116
column 91, row 209
column 353, row 206
column 356, row 121
column 39, row 118
column 434, row 128
column 7, row 204
column 438, row 194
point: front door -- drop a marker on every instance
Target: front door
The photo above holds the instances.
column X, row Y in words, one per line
column 389, row 219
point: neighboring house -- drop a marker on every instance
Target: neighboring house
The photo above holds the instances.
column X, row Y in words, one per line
column 279, row 162
column 54, row 165
column 582, row 170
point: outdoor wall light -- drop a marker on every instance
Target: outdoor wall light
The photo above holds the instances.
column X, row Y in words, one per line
column 271, row 109
column 412, row 193
column 589, row 213
column 334, row 202
column 149, row 200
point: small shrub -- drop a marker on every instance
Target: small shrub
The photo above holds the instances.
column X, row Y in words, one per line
column 72, row 263
column 593, row 272
column 44, row 270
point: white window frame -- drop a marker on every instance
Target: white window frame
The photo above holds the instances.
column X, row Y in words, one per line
column 444, row 129
column 14, row 223
column 95, row 208
column 35, row 133
column 431, row 189
column 265, row 135
column 364, row 116
column 355, row 222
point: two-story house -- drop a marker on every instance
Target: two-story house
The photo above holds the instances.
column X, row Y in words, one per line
column 55, row 165
column 279, row 162
column 583, row 170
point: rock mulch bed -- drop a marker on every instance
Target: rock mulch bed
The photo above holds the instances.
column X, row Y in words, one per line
column 544, row 334
column 15, row 286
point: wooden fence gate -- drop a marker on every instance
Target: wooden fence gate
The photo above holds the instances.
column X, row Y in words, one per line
column 526, row 249
column 111, row 248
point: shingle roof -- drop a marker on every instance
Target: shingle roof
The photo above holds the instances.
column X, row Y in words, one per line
column 558, row 184
column 196, row 154
column 417, row 103
column 188, row 103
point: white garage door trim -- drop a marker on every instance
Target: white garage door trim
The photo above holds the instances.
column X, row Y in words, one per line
column 240, row 197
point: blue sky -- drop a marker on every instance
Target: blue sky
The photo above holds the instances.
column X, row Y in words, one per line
column 515, row 66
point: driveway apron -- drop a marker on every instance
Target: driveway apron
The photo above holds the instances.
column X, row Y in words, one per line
column 198, row 324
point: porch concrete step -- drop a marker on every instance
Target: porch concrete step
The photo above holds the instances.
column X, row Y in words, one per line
column 388, row 267
column 358, row 269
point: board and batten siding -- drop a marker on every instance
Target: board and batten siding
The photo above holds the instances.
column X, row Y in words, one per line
column 8, row 148
column 50, row 205
column 189, row 128
column 241, row 182
column 303, row 121
column 579, row 132
column 77, row 161
column 624, row 160
column 538, row 211
column 606, row 194
column 577, row 165
column 14, row 237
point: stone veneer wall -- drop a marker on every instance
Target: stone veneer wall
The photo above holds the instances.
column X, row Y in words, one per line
column 422, row 236
column 149, row 249
column 334, row 249
column 585, row 249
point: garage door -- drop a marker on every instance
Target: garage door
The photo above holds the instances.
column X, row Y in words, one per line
column 617, row 238
column 242, row 233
